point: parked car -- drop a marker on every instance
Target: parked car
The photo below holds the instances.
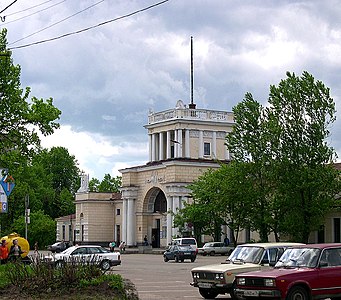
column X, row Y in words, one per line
column 86, row 254
column 58, row 247
column 213, row 280
column 306, row 272
column 213, row 248
column 179, row 253
column 186, row 241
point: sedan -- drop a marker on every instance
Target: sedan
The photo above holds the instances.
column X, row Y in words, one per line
column 57, row 247
column 86, row 254
column 179, row 253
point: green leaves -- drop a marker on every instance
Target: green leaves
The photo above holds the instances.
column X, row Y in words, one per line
column 21, row 117
column 286, row 146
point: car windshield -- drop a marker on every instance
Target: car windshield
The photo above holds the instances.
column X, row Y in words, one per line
column 185, row 247
column 246, row 254
column 69, row 250
column 299, row 257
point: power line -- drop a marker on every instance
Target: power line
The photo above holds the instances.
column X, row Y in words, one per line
column 17, row 12
column 53, row 5
column 91, row 27
column 8, row 6
column 25, row 37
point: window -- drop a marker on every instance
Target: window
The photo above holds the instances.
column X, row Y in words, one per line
column 207, row 149
column 63, row 232
column 118, row 211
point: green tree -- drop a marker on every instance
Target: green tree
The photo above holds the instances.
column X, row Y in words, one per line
column 248, row 143
column 301, row 112
column 286, row 143
column 108, row 184
column 21, row 119
column 42, row 229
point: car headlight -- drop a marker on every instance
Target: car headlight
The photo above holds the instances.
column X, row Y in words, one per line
column 195, row 275
column 269, row 282
column 241, row 281
column 219, row 276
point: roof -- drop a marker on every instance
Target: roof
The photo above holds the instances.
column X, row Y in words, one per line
column 274, row 244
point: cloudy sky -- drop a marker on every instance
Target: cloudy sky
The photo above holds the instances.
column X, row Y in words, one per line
column 135, row 56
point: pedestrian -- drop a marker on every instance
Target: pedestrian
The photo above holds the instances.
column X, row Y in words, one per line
column 15, row 251
column 112, row 246
column 122, row 247
column 3, row 252
column 226, row 241
column 35, row 253
column 145, row 240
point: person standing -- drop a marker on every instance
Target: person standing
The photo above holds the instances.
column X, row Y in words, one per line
column 15, row 251
column 3, row 252
column 112, row 246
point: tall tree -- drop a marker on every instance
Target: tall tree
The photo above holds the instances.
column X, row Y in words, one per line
column 21, row 117
column 301, row 112
column 248, row 143
column 286, row 142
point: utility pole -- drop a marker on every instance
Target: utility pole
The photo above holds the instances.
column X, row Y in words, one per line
column 27, row 213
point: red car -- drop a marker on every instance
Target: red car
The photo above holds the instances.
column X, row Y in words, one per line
column 302, row 273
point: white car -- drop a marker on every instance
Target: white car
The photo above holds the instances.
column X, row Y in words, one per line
column 86, row 254
column 213, row 248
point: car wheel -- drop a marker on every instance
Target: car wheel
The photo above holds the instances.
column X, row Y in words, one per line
column 193, row 259
column 165, row 258
column 297, row 293
column 60, row 264
column 182, row 260
column 105, row 265
column 212, row 253
column 208, row 294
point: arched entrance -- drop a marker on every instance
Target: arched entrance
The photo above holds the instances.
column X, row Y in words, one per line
column 155, row 209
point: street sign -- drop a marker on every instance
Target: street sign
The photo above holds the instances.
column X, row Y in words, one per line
column 7, row 183
column 4, row 207
column 3, row 201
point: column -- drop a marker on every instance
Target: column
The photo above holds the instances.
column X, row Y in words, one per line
column 201, row 144
column 131, row 222
column 179, row 142
column 168, row 142
column 187, row 150
column 150, row 146
column 161, row 144
column 176, row 145
column 124, row 220
column 153, row 147
column 227, row 152
column 214, row 144
column 175, row 206
column 169, row 220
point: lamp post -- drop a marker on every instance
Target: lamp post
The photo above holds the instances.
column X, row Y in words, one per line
column 27, row 214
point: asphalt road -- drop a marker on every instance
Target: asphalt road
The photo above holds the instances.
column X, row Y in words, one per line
column 156, row 279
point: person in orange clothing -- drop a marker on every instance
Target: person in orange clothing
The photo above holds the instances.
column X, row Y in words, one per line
column 3, row 252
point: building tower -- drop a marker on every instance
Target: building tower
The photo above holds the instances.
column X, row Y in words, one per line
column 183, row 143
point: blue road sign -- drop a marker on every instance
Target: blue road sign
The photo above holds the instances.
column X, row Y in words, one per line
column 3, row 207
column 7, row 183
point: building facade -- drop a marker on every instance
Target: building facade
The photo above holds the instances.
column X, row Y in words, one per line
column 183, row 143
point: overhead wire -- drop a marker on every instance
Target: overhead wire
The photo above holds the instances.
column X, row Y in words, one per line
column 38, row 11
column 26, row 9
column 69, row 17
column 91, row 27
column 9, row 5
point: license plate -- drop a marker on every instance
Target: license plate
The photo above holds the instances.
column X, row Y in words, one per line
column 187, row 253
column 251, row 293
column 204, row 285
